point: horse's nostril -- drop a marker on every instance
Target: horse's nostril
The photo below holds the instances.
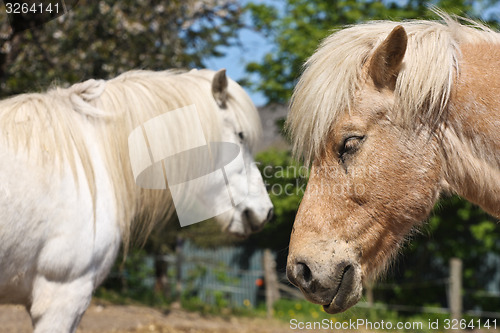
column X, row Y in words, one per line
column 346, row 269
column 304, row 273
column 270, row 214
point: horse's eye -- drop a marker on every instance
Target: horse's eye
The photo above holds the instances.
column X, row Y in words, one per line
column 241, row 135
column 350, row 145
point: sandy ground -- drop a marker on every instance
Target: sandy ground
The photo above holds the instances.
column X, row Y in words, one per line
column 138, row 319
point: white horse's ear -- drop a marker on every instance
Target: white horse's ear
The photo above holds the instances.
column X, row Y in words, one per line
column 219, row 88
column 386, row 61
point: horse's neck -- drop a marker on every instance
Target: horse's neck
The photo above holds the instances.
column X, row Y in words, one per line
column 472, row 136
column 140, row 208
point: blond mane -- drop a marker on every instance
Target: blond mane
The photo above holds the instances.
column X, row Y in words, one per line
column 51, row 128
column 333, row 74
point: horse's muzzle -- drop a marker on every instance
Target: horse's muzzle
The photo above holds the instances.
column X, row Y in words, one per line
column 337, row 287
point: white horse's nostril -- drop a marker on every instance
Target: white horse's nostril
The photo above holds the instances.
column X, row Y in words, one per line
column 270, row 215
column 248, row 215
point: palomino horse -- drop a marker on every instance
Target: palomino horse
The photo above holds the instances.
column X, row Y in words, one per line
column 390, row 115
column 67, row 191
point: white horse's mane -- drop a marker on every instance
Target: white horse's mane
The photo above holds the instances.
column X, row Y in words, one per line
column 50, row 128
column 333, row 74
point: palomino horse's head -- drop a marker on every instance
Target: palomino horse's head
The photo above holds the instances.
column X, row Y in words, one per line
column 371, row 179
column 240, row 124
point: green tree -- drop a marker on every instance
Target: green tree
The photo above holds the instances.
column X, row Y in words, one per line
column 100, row 39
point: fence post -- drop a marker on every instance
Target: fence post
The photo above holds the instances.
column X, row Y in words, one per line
column 271, row 281
column 455, row 288
column 178, row 267
column 162, row 285
column 369, row 294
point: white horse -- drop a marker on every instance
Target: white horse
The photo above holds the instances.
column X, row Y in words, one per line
column 68, row 196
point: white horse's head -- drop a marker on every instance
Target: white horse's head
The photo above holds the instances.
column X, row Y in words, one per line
column 201, row 148
column 219, row 179
column 241, row 126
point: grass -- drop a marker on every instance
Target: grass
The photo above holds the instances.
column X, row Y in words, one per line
column 377, row 319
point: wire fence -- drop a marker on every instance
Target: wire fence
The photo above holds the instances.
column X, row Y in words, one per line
column 237, row 277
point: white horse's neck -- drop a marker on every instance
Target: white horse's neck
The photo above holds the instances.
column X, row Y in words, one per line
column 471, row 138
column 139, row 209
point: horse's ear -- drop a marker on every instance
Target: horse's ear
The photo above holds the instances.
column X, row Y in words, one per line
column 219, row 87
column 386, row 61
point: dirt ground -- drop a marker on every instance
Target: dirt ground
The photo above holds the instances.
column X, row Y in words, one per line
column 138, row 319
column 101, row 318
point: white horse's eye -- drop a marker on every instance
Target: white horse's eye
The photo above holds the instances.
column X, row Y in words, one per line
column 241, row 135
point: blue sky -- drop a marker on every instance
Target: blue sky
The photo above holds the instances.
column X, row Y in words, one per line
column 255, row 46
column 254, row 49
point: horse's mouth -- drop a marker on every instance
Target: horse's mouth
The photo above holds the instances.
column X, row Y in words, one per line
column 239, row 235
column 249, row 223
column 342, row 299
column 238, row 231
column 242, row 227
column 256, row 228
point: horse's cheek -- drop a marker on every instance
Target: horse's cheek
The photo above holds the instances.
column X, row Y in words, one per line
column 402, row 182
